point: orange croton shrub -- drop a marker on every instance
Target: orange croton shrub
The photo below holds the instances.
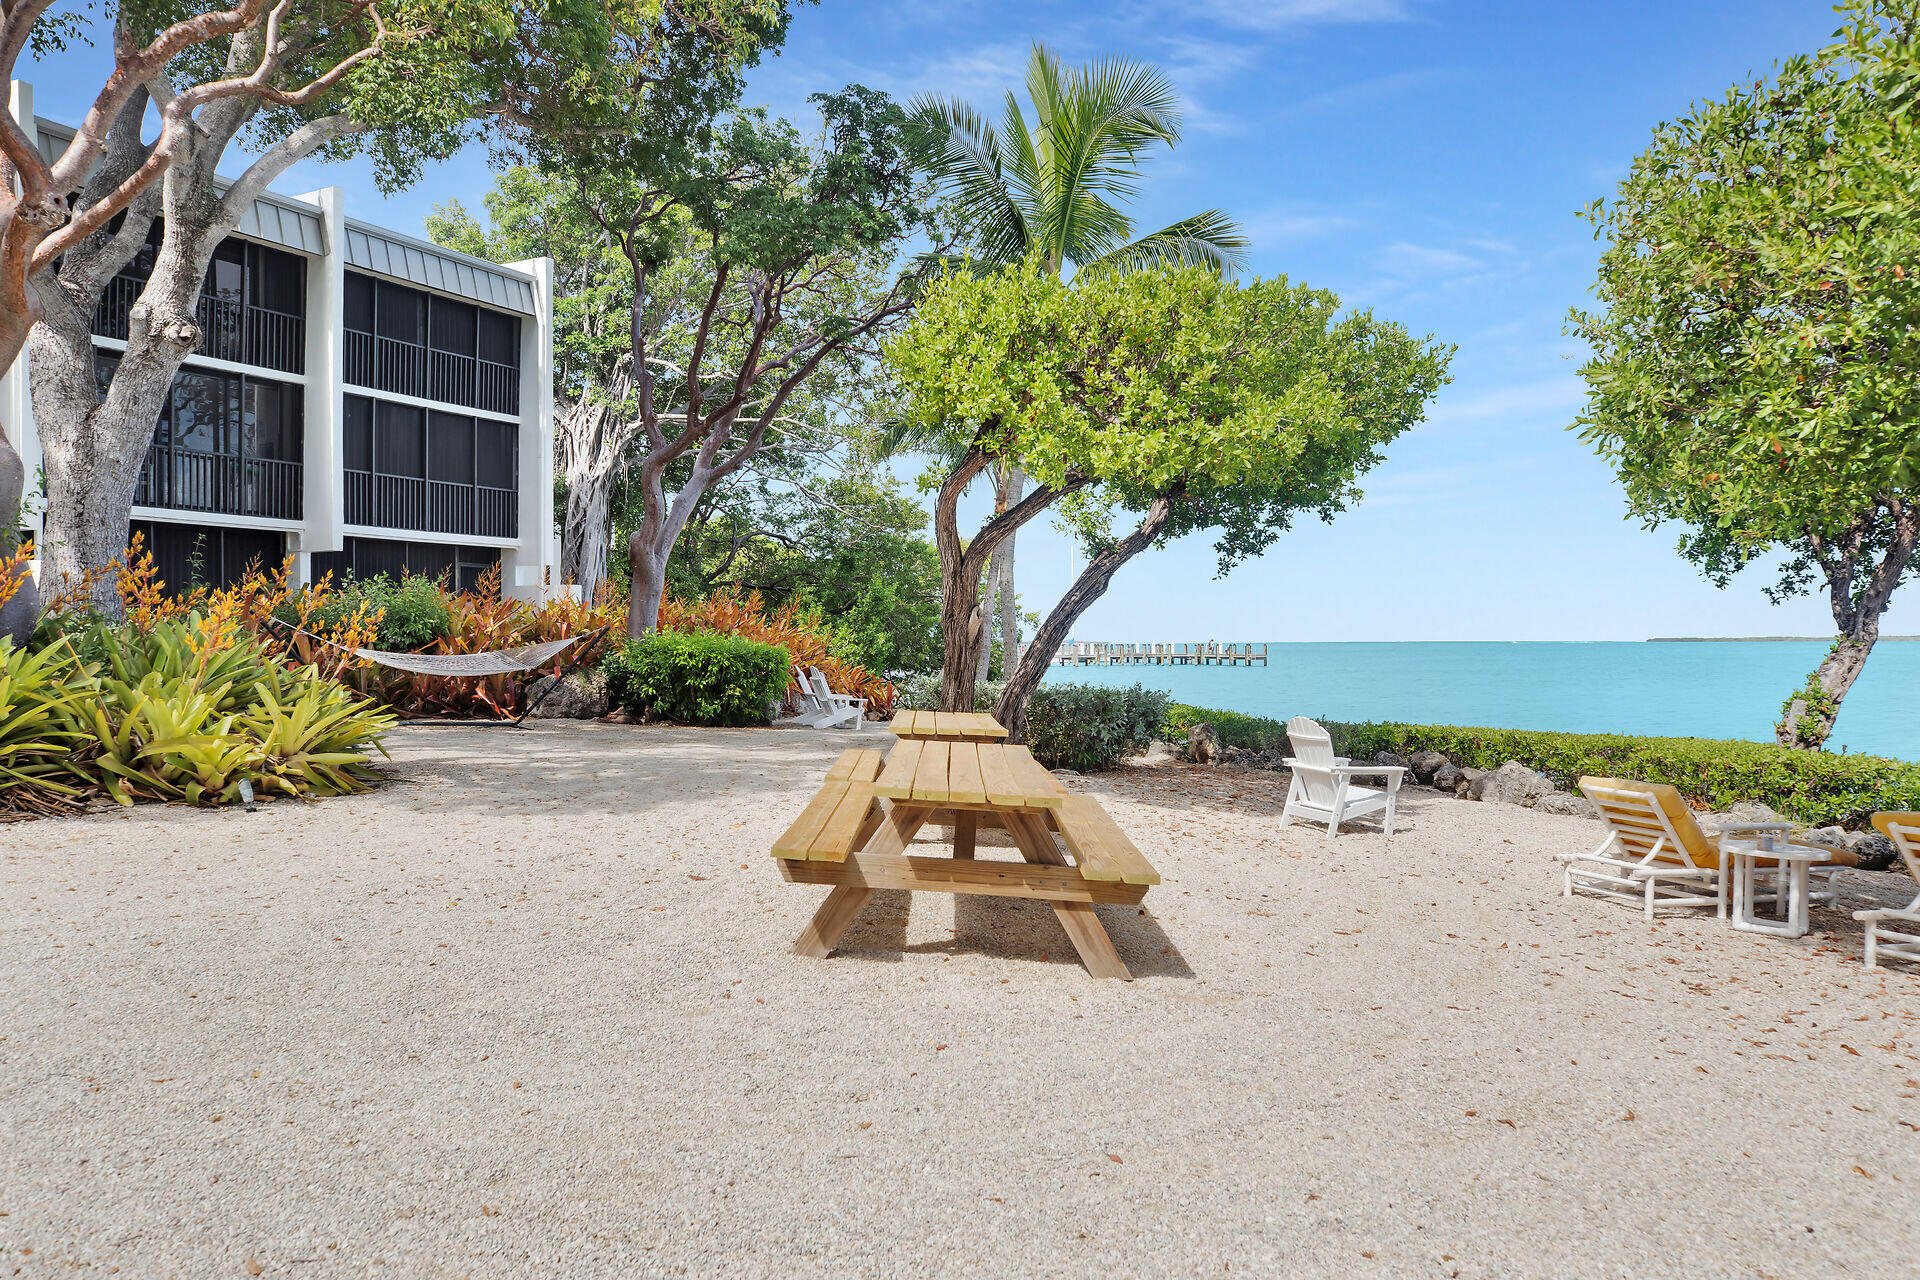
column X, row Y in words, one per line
column 791, row 627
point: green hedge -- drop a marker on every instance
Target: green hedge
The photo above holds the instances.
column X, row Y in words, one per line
column 1087, row 726
column 1254, row 733
column 696, row 677
column 1813, row 786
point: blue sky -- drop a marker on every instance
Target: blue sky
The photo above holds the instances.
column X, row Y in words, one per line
column 1424, row 158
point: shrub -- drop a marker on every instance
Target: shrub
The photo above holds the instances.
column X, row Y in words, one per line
column 1813, row 786
column 697, row 677
column 414, row 612
column 803, row 634
column 185, row 709
column 1253, row 733
column 1089, row 726
column 922, row 693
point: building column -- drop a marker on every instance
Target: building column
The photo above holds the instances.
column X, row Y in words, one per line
column 524, row 568
column 323, row 497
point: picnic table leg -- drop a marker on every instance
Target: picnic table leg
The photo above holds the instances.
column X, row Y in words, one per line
column 898, row 826
column 1083, row 927
column 830, row 921
column 965, row 822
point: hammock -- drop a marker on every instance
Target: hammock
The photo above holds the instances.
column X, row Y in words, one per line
column 496, row 662
column 499, row 662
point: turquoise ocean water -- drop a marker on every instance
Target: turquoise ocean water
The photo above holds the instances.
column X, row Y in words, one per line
column 1705, row 690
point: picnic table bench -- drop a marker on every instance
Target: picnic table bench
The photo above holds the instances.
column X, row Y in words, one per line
column 854, row 832
column 954, row 726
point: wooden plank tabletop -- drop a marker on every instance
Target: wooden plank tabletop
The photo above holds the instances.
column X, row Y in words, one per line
column 989, row 774
column 969, row 726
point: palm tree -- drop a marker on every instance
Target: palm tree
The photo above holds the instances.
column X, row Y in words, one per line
column 1055, row 188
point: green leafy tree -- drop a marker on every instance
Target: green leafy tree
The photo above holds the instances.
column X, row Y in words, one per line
column 1756, row 360
column 833, row 537
column 1052, row 182
column 405, row 83
column 795, row 246
column 1184, row 400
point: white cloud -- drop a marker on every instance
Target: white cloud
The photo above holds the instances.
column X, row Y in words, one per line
column 1405, row 259
column 1273, row 15
column 1285, row 224
column 1556, row 398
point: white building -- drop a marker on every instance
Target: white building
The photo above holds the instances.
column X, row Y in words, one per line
column 363, row 401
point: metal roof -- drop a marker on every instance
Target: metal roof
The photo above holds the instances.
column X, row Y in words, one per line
column 390, row 254
column 291, row 224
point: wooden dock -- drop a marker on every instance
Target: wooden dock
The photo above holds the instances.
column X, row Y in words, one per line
column 1100, row 653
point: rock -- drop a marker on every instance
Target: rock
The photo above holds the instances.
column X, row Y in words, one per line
column 1159, row 752
column 1388, row 757
column 1511, row 783
column 1872, row 851
column 1825, row 837
column 1752, row 811
column 579, row 697
column 1467, row 778
column 1447, row 776
column 1566, row 803
column 1064, row 773
column 1425, row 764
column 1203, row 744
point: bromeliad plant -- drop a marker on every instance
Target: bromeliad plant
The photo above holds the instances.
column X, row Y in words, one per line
column 186, row 710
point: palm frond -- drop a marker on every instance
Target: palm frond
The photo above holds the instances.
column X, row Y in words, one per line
column 963, row 154
column 1210, row 240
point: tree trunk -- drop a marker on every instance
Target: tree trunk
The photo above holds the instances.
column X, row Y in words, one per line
column 94, row 447
column 1806, row 720
column 583, row 538
column 983, row 660
column 1809, row 714
column 1087, row 588
column 648, row 562
column 1008, row 597
column 961, row 567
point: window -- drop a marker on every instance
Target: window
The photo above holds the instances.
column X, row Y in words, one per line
column 227, row 273
column 359, row 303
column 496, row 454
column 359, row 434
column 279, row 281
column 450, row 448
column 270, row 421
column 400, row 447
column 453, row 326
column 401, row 315
column 203, row 411
column 500, row 338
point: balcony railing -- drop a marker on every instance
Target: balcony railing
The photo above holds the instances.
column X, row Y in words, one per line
column 229, row 331
column 431, row 506
column 276, row 340
column 194, row 480
column 499, row 388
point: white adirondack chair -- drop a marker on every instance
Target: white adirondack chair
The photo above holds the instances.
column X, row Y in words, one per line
column 812, row 712
column 841, row 708
column 1894, row 933
column 1323, row 789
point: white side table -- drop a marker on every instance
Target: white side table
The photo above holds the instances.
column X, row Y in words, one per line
column 1793, row 859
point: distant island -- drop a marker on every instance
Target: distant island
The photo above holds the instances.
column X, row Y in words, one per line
column 1752, row 639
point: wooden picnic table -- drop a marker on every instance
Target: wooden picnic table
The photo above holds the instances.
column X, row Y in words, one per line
column 954, row 726
column 854, row 834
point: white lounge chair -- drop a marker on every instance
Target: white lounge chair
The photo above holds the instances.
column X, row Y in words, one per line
column 840, row 708
column 1657, row 854
column 1903, row 942
column 1322, row 789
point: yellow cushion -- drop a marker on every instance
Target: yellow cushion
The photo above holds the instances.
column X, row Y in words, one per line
column 1701, row 850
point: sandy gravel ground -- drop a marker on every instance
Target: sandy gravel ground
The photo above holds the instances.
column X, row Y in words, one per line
column 530, row 1011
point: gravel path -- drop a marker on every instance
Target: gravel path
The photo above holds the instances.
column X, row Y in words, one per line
column 529, row 1010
